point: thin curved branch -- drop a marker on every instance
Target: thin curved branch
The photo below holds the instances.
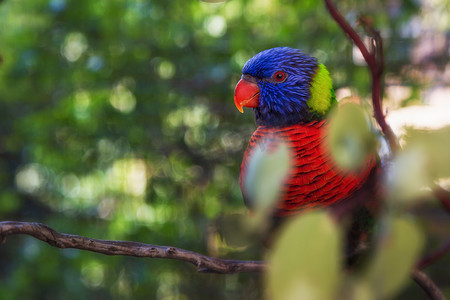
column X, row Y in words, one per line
column 428, row 285
column 376, row 64
column 443, row 196
column 433, row 256
column 63, row 240
column 351, row 33
column 375, row 61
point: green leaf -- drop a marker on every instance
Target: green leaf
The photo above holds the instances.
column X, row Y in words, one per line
column 359, row 290
column 266, row 172
column 350, row 136
column 408, row 176
column 305, row 261
column 435, row 145
column 397, row 252
column 424, row 160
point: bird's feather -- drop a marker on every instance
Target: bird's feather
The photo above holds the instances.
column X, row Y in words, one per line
column 314, row 180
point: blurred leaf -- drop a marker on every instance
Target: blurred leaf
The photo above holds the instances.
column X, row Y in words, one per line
column 408, row 176
column 266, row 172
column 396, row 255
column 425, row 159
column 359, row 290
column 91, row 91
column 435, row 146
column 305, row 261
column 350, row 136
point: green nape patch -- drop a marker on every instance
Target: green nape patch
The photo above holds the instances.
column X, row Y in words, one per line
column 322, row 94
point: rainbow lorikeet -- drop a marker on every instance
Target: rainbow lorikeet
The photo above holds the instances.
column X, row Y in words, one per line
column 291, row 95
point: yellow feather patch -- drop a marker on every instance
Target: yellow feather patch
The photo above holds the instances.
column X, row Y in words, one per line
column 321, row 91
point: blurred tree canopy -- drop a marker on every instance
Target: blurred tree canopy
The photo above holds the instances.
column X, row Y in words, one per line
column 117, row 122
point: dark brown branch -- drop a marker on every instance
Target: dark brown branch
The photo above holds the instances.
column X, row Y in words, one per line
column 375, row 62
column 433, row 256
column 377, row 51
column 126, row 248
column 443, row 196
column 428, row 285
column 63, row 240
column 351, row 33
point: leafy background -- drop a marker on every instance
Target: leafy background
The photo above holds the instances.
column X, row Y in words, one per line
column 117, row 122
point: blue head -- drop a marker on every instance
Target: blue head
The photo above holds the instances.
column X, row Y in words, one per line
column 284, row 85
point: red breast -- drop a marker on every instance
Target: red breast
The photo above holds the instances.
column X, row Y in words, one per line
column 314, row 180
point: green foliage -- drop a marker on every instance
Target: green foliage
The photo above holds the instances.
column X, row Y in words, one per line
column 398, row 250
column 305, row 262
column 423, row 162
column 350, row 137
column 266, row 173
column 117, row 122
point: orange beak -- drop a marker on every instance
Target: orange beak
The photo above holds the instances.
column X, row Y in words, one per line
column 246, row 94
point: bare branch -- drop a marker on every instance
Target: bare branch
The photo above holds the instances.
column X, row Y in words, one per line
column 64, row 240
column 375, row 62
column 428, row 285
column 351, row 33
column 443, row 196
column 126, row 248
column 433, row 256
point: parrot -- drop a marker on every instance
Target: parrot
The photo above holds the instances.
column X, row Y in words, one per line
column 291, row 94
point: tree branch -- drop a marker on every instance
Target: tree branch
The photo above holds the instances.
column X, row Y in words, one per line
column 126, row 248
column 63, row 240
column 433, row 256
column 375, row 61
column 443, row 196
column 428, row 285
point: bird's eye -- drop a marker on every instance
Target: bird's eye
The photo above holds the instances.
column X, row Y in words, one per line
column 279, row 76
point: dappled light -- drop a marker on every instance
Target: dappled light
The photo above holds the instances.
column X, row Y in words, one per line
column 122, row 99
column 74, row 46
column 30, row 178
column 117, row 122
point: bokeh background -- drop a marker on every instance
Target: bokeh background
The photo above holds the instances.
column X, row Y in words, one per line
column 117, row 122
